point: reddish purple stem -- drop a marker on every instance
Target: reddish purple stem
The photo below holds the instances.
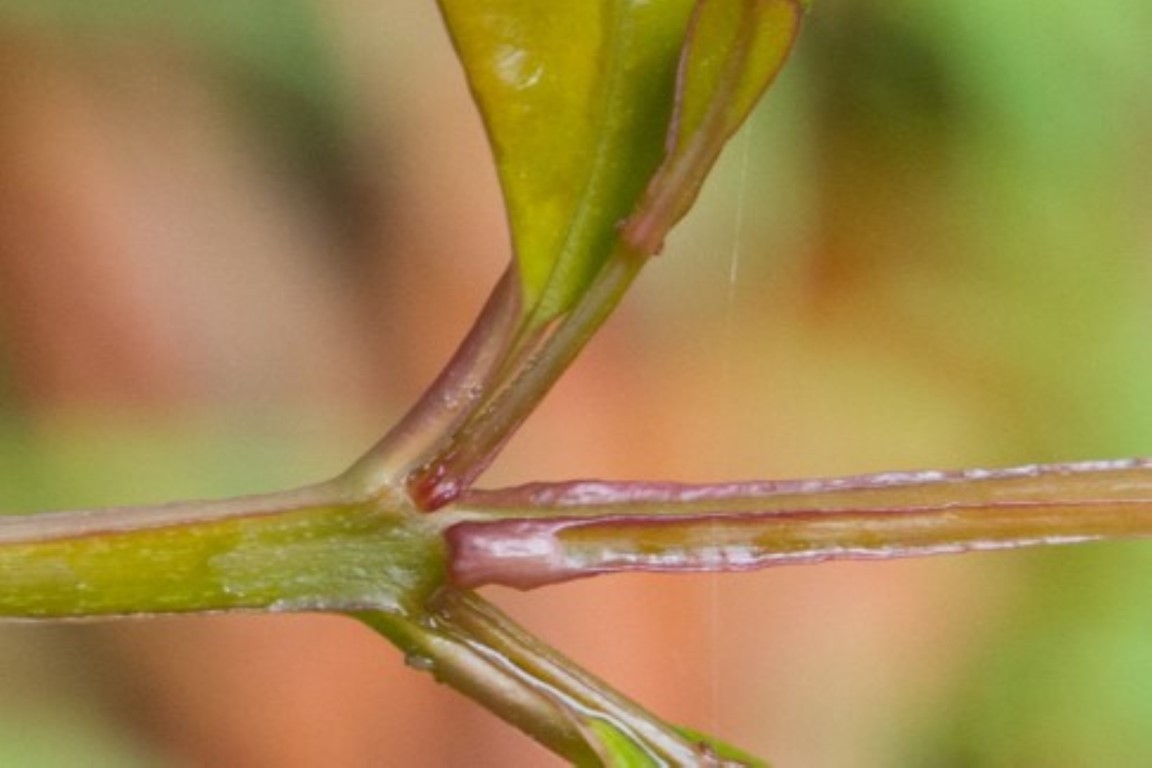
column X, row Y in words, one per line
column 545, row 533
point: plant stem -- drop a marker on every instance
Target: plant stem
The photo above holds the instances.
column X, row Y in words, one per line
column 43, row 526
column 497, row 377
column 474, row 648
column 305, row 550
column 473, row 672
column 546, row 533
column 452, row 397
column 469, row 450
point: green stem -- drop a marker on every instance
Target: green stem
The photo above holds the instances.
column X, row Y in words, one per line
column 466, row 668
column 308, row 550
column 467, row 450
column 474, row 648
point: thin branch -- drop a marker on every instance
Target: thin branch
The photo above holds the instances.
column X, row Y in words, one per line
column 524, row 381
column 451, row 399
column 466, row 667
column 470, row 645
column 545, row 533
column 496, row 378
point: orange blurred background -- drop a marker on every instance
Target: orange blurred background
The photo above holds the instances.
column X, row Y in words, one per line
column 236, row 240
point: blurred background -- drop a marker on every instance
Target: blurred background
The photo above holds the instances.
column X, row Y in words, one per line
column 237, row 239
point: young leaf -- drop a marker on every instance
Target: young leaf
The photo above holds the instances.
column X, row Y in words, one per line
column 585, row 102
column 576, row 98
column 734, row 50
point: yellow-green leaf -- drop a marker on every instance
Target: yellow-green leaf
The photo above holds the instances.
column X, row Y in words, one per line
column 576, row 98
column 606, row 115
column 734, row 51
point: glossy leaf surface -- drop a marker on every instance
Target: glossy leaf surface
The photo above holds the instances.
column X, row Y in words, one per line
column 733, row 52
column 583, row 102
column 576, row 98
